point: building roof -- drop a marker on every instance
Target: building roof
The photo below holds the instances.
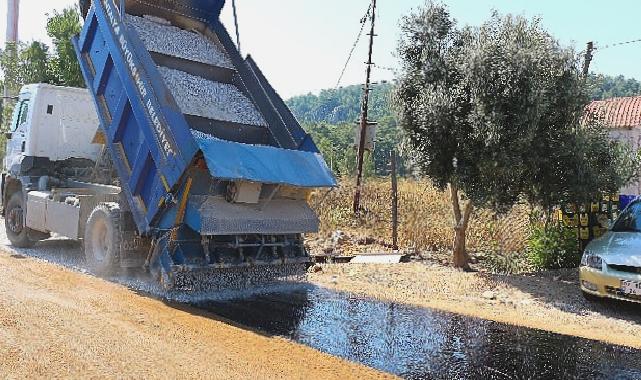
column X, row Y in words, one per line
column 617, row 112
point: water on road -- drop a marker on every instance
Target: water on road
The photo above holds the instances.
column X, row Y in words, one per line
column 417, row 343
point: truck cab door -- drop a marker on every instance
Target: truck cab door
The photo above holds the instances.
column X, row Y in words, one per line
column 16, row 144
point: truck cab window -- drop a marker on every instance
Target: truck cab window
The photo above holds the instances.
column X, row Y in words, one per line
column 21, row 113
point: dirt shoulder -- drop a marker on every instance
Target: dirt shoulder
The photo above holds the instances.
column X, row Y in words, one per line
column 549, row 301
column 56, row 323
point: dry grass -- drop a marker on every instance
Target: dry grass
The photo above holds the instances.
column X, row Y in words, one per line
column 425, row 218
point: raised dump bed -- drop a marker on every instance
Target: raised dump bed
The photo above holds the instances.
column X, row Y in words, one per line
column 214, row 168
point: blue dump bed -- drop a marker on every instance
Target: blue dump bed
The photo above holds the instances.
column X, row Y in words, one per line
column 171, row 89
column 214, row 168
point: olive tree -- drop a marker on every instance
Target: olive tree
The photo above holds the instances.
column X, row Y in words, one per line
column 494, row 113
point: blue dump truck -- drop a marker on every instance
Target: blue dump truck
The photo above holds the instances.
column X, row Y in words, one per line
column 197, row 172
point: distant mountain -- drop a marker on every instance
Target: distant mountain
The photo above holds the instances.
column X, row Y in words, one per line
column 342, row 105
column 331, row 118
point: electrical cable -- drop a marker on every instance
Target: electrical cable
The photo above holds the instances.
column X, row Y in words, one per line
column 386, row 68
column 358, row 38
column 233, row 4
column 618, row 44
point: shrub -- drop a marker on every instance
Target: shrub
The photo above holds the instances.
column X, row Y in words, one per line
column 553, row 247
column 507, row 263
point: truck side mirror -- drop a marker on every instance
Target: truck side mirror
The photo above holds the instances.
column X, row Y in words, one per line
column 8, row 135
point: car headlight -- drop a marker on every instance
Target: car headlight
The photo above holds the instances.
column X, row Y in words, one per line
column 591, row 260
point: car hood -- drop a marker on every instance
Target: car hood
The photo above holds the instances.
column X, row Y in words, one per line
column 618, row 248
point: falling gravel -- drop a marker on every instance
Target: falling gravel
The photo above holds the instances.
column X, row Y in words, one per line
column 69, row 254
column 212, row 100
column 160, row 37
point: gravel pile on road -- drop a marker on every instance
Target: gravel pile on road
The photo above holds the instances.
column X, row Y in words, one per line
column 160, row 37
column 212, row 100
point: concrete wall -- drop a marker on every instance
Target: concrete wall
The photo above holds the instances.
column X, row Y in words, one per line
column 633, row 137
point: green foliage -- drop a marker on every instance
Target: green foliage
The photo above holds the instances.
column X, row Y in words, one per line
column 496, row 111
column 593, row 164
column 508, row 263
column 342, row 105
column 12, row 81
column 330, row 118
column 64, row 67
column 552, row 247
column 11, row 67
column 604, row 86
column 336, row 143
column 33, row 62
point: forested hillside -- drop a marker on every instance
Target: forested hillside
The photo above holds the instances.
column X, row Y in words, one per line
column 604, row 87
column 331, row 118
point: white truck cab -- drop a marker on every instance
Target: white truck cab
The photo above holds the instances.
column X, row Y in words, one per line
column 50, row 159
column 51, row 122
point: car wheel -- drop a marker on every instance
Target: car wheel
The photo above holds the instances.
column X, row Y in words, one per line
column 591, row 297
column 102, row 239
column 17, row 232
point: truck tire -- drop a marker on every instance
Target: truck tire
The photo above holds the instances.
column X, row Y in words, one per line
column 17, row 232
column 102, row 239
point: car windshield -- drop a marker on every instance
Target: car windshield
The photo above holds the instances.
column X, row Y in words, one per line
column 629, row 220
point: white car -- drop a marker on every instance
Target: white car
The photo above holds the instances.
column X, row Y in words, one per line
column 611, row 264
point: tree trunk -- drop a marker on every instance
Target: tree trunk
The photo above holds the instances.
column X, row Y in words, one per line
column 461, row 222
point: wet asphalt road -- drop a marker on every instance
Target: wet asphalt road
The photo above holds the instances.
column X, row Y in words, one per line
column 417, row 343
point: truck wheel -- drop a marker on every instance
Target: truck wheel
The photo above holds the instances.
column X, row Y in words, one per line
column 102, row 239
column 17, row 232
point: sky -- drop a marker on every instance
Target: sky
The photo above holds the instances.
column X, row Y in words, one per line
column 302, row 45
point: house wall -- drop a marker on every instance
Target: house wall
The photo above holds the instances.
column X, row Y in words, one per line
column 633, row 137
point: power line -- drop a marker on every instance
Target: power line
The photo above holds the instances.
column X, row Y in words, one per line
column 358, row 38
column 233, row 3
column 386, row 68
column 618, row 44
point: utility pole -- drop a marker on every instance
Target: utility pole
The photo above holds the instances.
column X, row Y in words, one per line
column 13, row 14
column 364, row 122
column 394, row 202
column 588, row 59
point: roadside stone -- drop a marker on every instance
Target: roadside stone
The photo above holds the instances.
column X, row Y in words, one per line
column 339, row 237
column 316, row 268
column 489, row 295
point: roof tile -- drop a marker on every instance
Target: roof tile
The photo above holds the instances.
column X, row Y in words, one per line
column 617, row 112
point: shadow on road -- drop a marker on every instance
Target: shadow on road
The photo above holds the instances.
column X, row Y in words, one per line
column 560, row 290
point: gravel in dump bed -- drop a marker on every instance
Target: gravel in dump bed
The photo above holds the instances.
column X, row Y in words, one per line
column 212, row 100
column 165, row 39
